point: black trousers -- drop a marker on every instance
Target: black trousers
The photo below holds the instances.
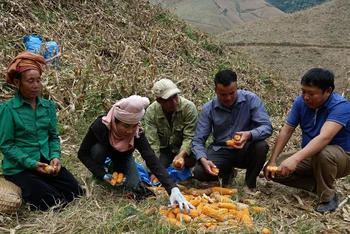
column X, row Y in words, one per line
column 252, row 157
column 42, row 191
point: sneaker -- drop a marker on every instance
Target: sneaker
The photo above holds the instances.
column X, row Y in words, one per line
column 140, row 193
column 249, row 188
column 250, row 191
column 330, row 206
column 314, row 190
column 231, row 180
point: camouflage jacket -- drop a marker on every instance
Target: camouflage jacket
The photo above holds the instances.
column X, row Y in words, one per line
column 178, row 136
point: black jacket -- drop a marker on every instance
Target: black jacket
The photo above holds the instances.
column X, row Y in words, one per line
column 98, row 132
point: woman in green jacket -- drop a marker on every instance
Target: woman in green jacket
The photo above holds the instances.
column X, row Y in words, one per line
column 29, row 139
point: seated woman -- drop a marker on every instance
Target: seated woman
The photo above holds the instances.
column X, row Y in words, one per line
column 29, row 139
column 116, row 136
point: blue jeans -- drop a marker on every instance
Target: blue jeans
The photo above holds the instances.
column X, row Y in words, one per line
column 121, row 164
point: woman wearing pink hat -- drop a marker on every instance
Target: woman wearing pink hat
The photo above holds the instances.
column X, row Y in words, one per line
column 116, row 136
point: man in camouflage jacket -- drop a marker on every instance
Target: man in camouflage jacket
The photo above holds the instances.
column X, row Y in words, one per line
column 170, row 123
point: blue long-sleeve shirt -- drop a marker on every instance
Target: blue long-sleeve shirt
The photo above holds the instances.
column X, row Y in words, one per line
column 247, row 113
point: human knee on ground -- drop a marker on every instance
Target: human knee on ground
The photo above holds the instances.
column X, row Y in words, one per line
column 99, row 153
column 255, row 157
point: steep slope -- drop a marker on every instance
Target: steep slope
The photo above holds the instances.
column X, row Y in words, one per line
column 112, row 49
column 294, row 43
column 325, row 25
column 216, row 16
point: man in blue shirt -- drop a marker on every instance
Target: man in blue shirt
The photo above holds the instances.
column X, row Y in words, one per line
column 231, row 112
column 324, row 118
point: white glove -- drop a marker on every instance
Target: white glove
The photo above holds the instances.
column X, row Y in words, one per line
column 180, row 199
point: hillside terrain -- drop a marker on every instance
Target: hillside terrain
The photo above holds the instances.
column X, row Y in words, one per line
column 112, row 49
column 291, row 6
column 293, row 43
column 216, row 16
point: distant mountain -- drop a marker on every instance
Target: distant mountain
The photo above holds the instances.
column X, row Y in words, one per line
column 290, row 6
column 293, row 43
column 217, row 16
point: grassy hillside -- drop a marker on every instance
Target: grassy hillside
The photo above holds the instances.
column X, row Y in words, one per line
column 112, row 49
column 219, row 16
column 325, row 24
column 292, row 44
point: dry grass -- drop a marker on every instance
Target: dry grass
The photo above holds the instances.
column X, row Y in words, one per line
column 112, row 49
